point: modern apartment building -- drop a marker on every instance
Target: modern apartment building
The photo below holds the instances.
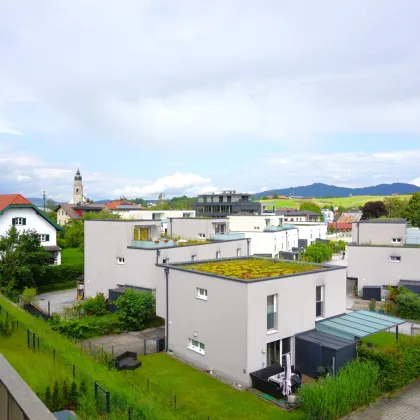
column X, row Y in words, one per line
column 233, row 326
column 383, row 253
column 226, row 203
column 122, row 253
column 292, row 216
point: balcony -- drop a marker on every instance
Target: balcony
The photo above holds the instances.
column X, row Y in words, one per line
column 278, row 228
column 161, row 243
column 227, row 236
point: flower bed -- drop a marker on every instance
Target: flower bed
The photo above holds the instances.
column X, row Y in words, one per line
column 252, row 268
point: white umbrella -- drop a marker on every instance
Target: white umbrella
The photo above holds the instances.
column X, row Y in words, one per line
column 287, row 386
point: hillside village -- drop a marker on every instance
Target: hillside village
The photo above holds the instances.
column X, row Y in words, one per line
column 338, row 272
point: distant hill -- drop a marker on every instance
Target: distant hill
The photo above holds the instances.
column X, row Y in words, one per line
column 324, row 190
column 39, row 202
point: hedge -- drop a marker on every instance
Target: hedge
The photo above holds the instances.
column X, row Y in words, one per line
column 59, row 277
column 398, row 365
column 409, row 305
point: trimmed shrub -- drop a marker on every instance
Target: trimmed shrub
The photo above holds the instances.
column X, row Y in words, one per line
column 335, row 396
column 398, row 365
column 56, row 276
column 95, row 306
column 408, row 305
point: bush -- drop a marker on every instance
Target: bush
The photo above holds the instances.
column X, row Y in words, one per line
column 29, row 294
column 398, row 365
column 408, row 305
column 317, row 253
column 335, row 396
column 135, row 309
column 95, row 306
column 5, row 329
column 56, row 276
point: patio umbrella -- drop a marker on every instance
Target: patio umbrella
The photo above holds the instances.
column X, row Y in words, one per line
column 287, row 386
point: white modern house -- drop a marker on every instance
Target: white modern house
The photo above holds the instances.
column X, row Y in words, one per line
column 231, row 325
column 383, row 253
column 16, row 210
column 124, row 253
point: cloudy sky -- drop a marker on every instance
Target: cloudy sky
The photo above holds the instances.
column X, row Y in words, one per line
column 189, row 95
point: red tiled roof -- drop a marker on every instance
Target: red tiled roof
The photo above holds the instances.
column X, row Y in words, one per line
column 340, row 226
column 113, row 205
column 8, row 199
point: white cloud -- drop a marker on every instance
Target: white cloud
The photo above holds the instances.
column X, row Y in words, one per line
column 264, row 189
column 415, row 181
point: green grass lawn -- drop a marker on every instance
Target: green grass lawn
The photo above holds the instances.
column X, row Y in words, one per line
column 382, row 339
column 72, row 256
column 198, row 395
column 347, row 202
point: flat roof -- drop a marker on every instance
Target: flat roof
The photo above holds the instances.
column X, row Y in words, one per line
column 399, row 221
column 357, row 325
column 326, row 340
column 250, row 269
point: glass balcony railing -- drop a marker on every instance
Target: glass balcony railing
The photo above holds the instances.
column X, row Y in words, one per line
column 227, row 236
column 161, row 243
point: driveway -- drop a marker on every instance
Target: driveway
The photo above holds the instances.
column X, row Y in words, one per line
column 402, row 405
column 131, row 341
column 58, row 300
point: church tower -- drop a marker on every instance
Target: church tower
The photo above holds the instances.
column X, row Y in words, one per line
column 78, row 189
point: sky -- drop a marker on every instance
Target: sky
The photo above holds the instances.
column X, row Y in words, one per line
column 192, row 96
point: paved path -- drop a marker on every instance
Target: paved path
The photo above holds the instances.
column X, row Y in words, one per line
column 58, row 300
column 402, row 405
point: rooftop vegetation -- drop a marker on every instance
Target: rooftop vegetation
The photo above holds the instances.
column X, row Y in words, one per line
column 252, row 268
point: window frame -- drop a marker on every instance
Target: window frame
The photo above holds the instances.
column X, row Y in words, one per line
column 20, row 220
column 194, row 257
column 42, row 237
column 120, row 260
column 238, row 252
column 396, row 240
column 202, row 236
column 322, row 301
column 395, row 258
column 200, row 295
column 218, row 255
column 196, row 346
column 274, row 329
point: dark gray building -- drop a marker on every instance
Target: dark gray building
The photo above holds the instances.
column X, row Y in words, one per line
column 226, row 203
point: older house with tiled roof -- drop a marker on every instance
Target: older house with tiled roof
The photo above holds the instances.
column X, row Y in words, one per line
column 16, row 210
column 68, row 212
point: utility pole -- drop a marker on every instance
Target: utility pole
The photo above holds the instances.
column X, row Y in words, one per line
column 44, row 197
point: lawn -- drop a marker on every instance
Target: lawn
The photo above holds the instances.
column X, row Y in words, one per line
column 72, row 256
column 382, row 339
column 198, row 395
column 347, row 202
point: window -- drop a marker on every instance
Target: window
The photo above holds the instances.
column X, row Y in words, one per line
column 186, row 215
column 202, row 235
column 201, row 293
column 396, row 240
column 218, row 253
column 193, row 257
column 19, row 221
column 320, row 301
column 394, row 258
column 120, row 260
column 44, row 238
column 238, row 252
column 272, row 313
column 165, row 260
column 276, row 350
column 196, row 346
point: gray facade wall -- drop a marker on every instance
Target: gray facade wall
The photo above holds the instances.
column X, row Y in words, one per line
column 105, row 241
column 377, row 232
column 189, row 228
column 232, row 322
column 372, row 265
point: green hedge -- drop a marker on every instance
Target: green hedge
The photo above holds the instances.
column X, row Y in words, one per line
column 398, row 365
column 53, row 287
column 59, row 277
column 409, row 305
column 335, row 396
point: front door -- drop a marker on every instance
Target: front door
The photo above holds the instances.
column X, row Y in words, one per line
column 273, row 353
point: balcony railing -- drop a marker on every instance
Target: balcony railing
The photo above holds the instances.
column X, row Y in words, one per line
column 227, row 236
column 161, row 243
column 278, row 228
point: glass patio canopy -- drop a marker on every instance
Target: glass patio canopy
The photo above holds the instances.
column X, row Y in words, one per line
column 357, row 325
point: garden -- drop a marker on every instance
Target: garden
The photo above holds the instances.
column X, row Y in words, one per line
column 252, row 268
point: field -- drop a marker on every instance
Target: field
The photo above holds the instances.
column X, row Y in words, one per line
column 71, row 256
column 151, row 388
column 347, row 202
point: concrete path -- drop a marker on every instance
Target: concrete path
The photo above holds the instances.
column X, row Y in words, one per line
column 402, row 405
column 58, row 300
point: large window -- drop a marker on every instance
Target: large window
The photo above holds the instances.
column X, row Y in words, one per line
column 320, row 301
column 271, row 313
column 196, row 346
column 276, row 350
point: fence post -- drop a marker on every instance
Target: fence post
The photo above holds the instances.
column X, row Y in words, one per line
column 33, row 342
column 333, row 365
column 112, row 350
column 29, row 339
column 96, row 390
column 74, row 371
column 157, row 344
column 7, row 316
column 49, row 308
column 129, row 414
column 54, row 355
column 148, row 384
column 17, row 326
column 175, row 401
column 108, row 405
column 145, row 347
column 38, row 343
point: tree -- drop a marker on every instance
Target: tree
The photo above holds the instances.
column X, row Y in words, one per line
column 309, row 206
column 135, row 309
column 50, row 204
column 275, row 196
column 373, row 210
column 317, row 253
column 396, row 207
column 23, row 259
column 413, row 210
column 162, row 203
column 264, row 197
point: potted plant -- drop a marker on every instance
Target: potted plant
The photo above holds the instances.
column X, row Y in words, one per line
column 355, row 291
column 372, row 305
column 389, row 307
column 392, row 293
column 166, row 241
column 157, row 241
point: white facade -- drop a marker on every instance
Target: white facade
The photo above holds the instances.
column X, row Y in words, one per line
column 311, row 231
column 113, row 257
column 271, row 243
column 229, row 320
column 29, row 218
column 253, row 223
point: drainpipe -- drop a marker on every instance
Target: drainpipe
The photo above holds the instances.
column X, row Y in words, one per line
column 357, row 224
column 248, row 241
column 170, row 225
column 157, row 256
column 167, row 309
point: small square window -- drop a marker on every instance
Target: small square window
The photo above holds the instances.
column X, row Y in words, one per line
column 196, row 346
column 120, row 260
column 238, row 252
column 218, row 253
column 201, row 293
column 165, row 260
column 396, row 240
column 395, row 258
column 193, row 257
column 202, row 235
column 19, row 221
column 42, row 237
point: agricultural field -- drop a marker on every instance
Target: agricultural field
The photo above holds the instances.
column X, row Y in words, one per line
column 347, row 202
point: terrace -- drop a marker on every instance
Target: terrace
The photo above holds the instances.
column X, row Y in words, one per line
column 251, row 268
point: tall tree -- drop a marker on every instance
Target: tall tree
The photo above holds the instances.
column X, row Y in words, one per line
column 308, row 205
column 396, row 207
column 373, row 210
column 23, row 259
column 413, row 210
